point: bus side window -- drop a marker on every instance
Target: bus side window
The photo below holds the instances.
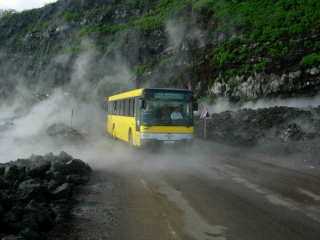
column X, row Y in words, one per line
column 132, row 107
column 110, row 108
column 115, row 107
column 127, row 107
column 122, row 108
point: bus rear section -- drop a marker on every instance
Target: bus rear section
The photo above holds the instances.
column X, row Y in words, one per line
column 152, row 116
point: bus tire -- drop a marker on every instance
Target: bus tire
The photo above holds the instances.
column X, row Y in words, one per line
column 113, row 134
column 130, row 139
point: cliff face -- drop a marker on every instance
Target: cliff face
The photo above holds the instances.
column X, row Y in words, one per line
column 240, row 49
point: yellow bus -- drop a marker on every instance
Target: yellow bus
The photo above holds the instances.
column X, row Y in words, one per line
column 151, row 116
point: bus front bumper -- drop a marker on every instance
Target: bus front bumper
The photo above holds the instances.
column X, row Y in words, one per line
column 165, row 138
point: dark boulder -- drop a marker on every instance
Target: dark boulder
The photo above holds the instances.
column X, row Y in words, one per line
column 11, row 237
column 77, row 179
column 64, row 157
column 2, row 169
column 30, row 189
column 1, row 211
column 39, row 167
column 11, row 220
column 250, row 127
column 63, row 191
column 37, row 193
column 76, row 167
column 30, row 234
column 3, row 183
column 38, row 215
column 12, row 173
column 291, row 132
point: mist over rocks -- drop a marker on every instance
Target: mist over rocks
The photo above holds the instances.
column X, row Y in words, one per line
column 38, row 193
column 61, row 132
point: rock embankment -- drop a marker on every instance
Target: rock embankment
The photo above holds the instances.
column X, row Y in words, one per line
column 275, row 124
column 37, row 193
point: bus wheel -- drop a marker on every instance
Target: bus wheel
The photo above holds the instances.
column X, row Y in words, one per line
column 130, row 139
column 113, row 132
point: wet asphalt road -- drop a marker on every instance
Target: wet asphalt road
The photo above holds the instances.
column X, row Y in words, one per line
column 210, row 194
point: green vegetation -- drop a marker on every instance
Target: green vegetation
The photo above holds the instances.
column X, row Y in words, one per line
column 155, row 18
column 160, row 14
column 264, row 27
column 311, row 59
column 141, row 69
column 103, row 28
column 71, row 16
column 244, row 36
column 7, row 13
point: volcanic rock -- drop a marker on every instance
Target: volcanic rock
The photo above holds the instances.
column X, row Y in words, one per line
column 275, row 124
column 62, row 191
column 37, row 193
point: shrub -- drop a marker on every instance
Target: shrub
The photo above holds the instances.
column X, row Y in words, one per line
column 71, row 16
column 311, row 59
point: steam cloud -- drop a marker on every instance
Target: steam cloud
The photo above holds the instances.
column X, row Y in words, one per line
column 25, row 118
column 223, row 104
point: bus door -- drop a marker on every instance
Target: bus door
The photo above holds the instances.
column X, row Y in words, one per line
column 137, row 113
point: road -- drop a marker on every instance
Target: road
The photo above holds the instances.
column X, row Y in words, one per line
column 209, row 193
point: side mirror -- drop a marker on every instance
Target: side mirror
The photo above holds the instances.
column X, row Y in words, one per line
column 195, row 106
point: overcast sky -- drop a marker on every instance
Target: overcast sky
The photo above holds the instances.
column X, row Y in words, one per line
column 20, row 5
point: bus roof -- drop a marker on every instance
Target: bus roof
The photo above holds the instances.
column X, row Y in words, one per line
column 127, row 94
column 139, row 92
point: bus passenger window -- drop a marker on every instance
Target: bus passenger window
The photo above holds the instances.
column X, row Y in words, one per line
column 127, row 107
column 120, row 107
column 123, row 108
column 133, row 106
column 115, row 107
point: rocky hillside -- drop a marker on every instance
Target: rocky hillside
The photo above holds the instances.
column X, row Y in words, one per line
column 242, row 49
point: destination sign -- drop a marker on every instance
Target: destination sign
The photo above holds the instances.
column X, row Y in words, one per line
column 170, row 96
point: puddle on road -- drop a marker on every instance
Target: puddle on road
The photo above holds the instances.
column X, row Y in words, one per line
column 195, row 225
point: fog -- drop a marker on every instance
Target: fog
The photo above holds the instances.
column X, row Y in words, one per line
column 79, row 104
column 223, row 104
column 26, row 135
column 24, row 120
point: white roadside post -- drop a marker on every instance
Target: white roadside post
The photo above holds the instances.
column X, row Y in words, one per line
column 204, row 115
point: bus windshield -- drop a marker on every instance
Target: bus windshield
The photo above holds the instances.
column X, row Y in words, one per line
column 167, row 112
